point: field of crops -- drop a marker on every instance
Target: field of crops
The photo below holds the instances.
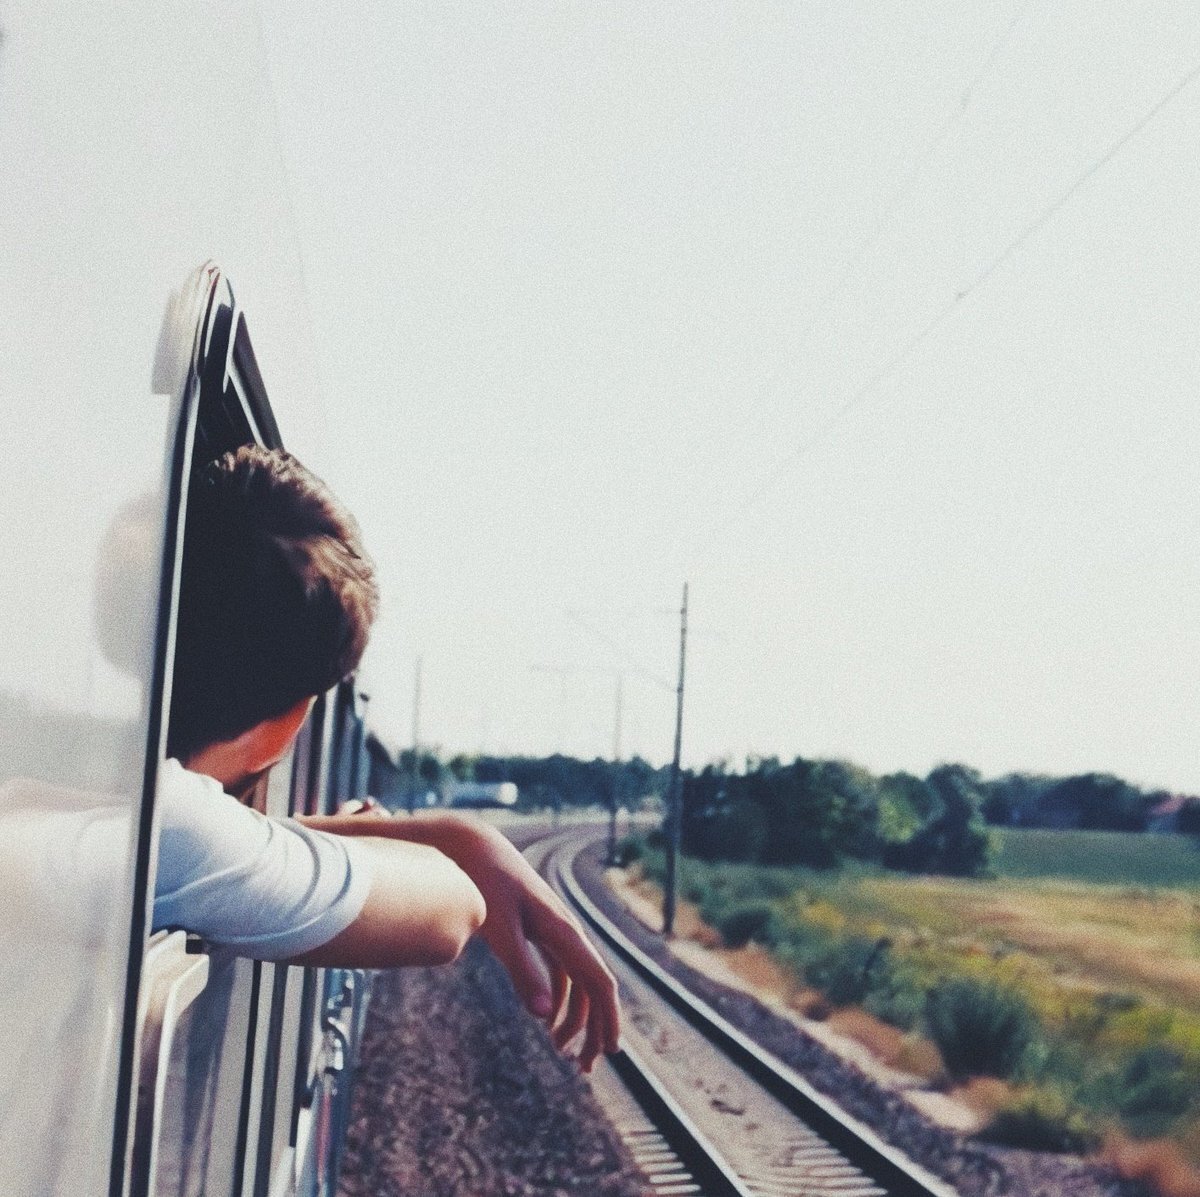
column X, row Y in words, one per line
column 1102, row 857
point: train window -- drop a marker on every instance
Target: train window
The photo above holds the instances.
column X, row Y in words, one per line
column 233, row 1048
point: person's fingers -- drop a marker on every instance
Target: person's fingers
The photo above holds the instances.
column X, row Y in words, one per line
column 567, row 941
column 604, row 1021
column 604, row 1016
column 532, row 976
column 593, row 1041
column 560, row 985
column 566, row 945
column 576, row 1017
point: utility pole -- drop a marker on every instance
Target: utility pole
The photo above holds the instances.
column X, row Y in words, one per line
column 562, row 672
column 612, row 794
column 675, row 800
column 360, row 744
column 416, row 740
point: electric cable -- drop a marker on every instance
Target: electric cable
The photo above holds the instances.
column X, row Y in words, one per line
column 624, row 657
column 897, row 360
column 895, row 200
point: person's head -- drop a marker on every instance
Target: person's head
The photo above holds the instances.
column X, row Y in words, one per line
column 276, row 601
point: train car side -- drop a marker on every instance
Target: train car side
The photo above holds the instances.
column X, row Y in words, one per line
column 134, row 144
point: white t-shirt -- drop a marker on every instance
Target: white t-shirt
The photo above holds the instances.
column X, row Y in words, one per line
column 267, row 888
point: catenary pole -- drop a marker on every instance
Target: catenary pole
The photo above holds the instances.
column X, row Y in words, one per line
column 416, row 740
column 675, row 800
column 616, row 757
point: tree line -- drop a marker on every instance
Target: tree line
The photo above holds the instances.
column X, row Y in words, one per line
column 820, row 813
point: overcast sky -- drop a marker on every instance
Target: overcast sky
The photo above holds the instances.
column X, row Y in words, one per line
column 608, row 297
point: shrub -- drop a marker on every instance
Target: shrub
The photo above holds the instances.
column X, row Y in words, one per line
column 741, row 922
column 1041, row 1119
column 1152, row 1090
column 735, row 832
column 980, row 1029
column 630, row 850
column 801, row 944
column 713, row 899
column 849, row 969
column 897, row 998
column 652, row 861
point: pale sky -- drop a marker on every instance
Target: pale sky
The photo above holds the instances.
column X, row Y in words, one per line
column 591, row 285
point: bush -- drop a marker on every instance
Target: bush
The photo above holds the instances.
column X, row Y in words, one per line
column 712, row 898
column 848, row 971
column 801, row 944
column 652, row 860
column 736, row 832
column 980, row 1029
column 897, row 998
column 741, row 922
column 655, row 839
column 1152, row 1090
column 1041, row 1119
column 630, row 850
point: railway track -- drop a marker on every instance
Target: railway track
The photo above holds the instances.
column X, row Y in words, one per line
column 706, row 1111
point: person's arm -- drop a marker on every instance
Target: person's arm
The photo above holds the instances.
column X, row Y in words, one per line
column 272, row 889
column 421, row 908
column 558, row 975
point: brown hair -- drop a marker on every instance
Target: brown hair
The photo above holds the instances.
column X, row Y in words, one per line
column 277, row 597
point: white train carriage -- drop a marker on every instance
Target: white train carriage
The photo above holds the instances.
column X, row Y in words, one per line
column 134, row 143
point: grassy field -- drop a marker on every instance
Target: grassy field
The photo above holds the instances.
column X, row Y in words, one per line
column 1087, row 945
column 1099, row 857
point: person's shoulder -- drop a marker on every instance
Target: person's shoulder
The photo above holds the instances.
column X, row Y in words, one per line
column 188, row 798
column 265, row 887
column 174, row 781
column 200, row 826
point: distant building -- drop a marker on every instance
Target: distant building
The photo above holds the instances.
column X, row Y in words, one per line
column 480, row 793
column 1175, row 813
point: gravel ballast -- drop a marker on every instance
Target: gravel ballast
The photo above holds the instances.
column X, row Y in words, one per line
column 459, row 1093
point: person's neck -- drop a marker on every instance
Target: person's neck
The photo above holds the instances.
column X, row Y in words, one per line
column 221, row 761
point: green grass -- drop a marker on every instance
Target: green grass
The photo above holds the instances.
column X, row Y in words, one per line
column 1097, row 857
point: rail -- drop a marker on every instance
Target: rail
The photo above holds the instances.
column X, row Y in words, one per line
column 858, row 1144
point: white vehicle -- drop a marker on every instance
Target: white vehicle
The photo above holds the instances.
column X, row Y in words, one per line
column 135, row 143
column 481, row 794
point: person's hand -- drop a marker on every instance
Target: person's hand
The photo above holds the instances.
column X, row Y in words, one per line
column 557, row 973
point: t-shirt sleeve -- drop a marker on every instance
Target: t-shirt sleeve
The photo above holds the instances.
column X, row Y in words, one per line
column 267, row 888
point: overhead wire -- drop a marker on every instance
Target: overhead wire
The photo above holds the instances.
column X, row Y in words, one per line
column 620, row 653
column 901, row 193
column 898, row 359
column 898, row 196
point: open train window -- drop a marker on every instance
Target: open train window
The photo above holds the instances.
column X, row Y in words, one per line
column 230, row 1046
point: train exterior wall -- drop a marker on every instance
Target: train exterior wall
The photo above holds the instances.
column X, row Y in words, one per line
column 135, row 142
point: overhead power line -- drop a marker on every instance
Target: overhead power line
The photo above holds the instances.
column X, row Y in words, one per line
column 902, row 191
column 897, row 360
column 895, row 200
column 631, row 665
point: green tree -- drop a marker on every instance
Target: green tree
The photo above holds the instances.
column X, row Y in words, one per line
column 952, row 840
column 462, row 767
column 1100, row 802
column 905, row 805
